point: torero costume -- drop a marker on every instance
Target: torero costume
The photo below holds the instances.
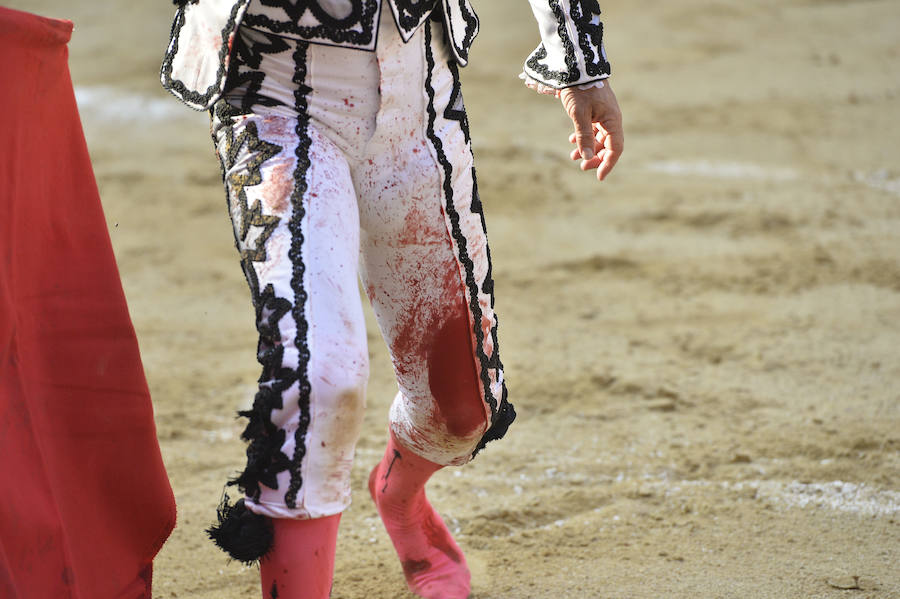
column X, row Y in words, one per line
column 346, row 155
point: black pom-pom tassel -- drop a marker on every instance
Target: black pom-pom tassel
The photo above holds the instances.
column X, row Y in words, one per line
column 240, row 533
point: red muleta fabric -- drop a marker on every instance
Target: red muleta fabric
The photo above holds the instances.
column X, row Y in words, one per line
column 85, row 502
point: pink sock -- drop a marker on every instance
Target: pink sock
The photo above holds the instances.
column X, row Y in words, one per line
column 300, row 564
column 433, row 563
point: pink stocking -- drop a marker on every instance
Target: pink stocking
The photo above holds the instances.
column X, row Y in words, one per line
column 300, row 564
column 433, row 563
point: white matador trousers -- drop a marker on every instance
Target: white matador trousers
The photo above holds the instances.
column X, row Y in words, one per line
column 341, row 164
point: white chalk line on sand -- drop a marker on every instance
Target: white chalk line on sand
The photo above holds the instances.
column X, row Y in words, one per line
column 841, row 496
column 857, row 498
column 723, row 170
column 114, row 105
column 880, row 179
column 748, row 171
column 854, row 498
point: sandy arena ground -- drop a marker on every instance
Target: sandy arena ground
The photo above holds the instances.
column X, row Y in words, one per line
column 704, row 351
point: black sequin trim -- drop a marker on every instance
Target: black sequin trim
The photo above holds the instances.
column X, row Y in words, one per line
column 590, row 35
column 456, row 112
column 178, row 87
column 471, row 24
column 505, row 413
column 541, row 53
column 357, row 28
column 301, row 91
column 471, row 29
column 244, row 69
column 410, row 13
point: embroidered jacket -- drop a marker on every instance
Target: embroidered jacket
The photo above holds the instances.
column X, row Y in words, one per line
column 196, row 62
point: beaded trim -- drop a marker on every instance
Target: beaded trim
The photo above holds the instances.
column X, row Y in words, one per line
column 264, row 457
column 178, row 87
column 265, row 460
column 541, row 53
column 471, row 31
column 295, row 254
column 590, row 35
column 357, row 28
column 411, row 13
column 471, row 23
column 250, row 55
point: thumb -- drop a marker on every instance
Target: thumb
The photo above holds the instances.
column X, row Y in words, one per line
column 584, row 134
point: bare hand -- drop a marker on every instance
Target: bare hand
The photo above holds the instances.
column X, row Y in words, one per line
column 598, row 137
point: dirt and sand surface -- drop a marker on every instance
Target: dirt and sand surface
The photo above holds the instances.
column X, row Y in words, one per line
column 704, row 351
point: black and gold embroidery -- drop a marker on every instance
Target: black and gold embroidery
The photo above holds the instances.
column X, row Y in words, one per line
column 252, row 228
column 277, row 383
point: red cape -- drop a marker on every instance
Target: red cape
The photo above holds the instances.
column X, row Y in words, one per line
column 85, row 502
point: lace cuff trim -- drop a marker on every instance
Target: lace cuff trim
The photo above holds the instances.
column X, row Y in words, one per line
column 541, row 88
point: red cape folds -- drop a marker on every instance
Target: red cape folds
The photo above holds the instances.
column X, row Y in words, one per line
column 85, row 502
